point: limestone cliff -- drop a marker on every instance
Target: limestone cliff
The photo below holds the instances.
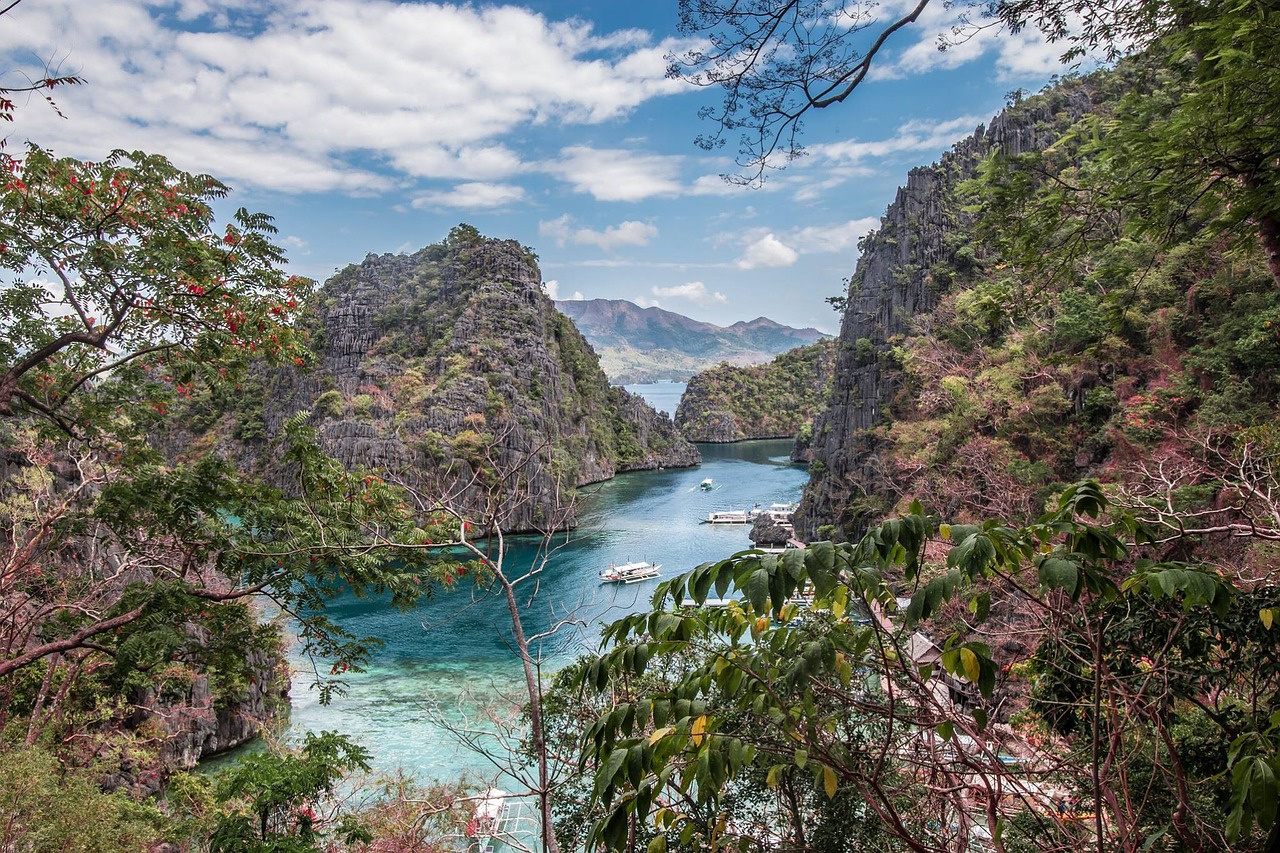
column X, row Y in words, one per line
column 451, row 368
column 774, row 400
column 904, row 267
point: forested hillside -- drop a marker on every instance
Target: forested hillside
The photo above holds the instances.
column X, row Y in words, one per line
column 1004, row 336
column 778, row 399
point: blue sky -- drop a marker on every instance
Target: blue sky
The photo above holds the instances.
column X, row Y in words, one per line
column 374, row 126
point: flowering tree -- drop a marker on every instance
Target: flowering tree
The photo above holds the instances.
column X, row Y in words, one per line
column 118, row 269
column 124, row 567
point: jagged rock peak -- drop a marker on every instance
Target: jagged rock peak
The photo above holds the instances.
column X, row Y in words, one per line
column 893, row 282
column 451, row 366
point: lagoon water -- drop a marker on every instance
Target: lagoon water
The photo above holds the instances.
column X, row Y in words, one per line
column 663, row 396
column 449, row 660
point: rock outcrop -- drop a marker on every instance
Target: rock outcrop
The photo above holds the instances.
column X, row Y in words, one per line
column 452, row 368
column 774, row 400
column 893, row 282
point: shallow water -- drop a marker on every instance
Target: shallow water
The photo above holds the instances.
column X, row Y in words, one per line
column 449, row 658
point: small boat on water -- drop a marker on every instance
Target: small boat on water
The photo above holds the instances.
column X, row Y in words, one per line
column 706, row 485
column 732, row 516
column 630, row 573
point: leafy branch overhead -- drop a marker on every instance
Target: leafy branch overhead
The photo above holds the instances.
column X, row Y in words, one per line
column 118, row 270
column 777, row 61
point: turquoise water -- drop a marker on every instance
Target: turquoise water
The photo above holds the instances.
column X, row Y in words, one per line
column 663, row 396
column 449, row 662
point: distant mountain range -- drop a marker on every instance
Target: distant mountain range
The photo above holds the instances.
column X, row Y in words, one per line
column 652, row 345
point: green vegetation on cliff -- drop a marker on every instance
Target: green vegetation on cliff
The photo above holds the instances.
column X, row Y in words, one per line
column 451, row 369
column 774, row 400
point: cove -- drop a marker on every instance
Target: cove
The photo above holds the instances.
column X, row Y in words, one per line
column 449, row 660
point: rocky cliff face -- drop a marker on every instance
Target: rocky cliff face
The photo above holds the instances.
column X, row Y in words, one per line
column 900, row 275
column 451, row 367
column 774, row 400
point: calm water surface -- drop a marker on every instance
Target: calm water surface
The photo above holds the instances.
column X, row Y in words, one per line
column 450, row 659
column 663, row 396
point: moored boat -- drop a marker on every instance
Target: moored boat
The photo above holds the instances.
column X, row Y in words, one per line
column 630, row 572
column 732, row 516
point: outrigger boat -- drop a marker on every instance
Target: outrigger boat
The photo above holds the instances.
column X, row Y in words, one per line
column 732, row 516
column 630, row 573
column 706, row 485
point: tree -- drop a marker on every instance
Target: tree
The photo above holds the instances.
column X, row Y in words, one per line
column 1189, row 147
column 1171, row 735
column 480, row 532
column 280, row 795
column 125, row 561
column 42, row 86
column 118, row 270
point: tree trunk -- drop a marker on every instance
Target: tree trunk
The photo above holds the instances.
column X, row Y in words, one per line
column 1269, row 237
column 549, row 843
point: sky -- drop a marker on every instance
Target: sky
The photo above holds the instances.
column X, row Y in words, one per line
column 372, row 126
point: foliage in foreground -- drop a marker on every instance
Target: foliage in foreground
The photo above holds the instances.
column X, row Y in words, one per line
column 759, row 688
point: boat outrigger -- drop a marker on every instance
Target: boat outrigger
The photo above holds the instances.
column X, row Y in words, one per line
column 630, row 573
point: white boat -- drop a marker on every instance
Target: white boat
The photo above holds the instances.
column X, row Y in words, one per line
column 500, row 822
column 706, row 485
column 780, row 512
column 630, row 573
column 487, row 823
column 732, row 516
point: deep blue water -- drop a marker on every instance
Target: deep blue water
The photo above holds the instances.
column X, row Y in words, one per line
column 452, row 654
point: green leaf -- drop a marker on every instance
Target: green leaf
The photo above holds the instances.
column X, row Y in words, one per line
column 609, row 769
column 756, row 587
column 802, row 758
column 615, row 828
column 829, row 782
column 771, row 779
column 970, row 664
column 820, row 560
column 1059, row 573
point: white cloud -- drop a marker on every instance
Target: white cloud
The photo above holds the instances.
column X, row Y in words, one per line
column 629, row 233
column 840, row 237
column 552, row 287
column 1025, row 54
column 718, row 186
column 312, row 95
column 296, row 245
column 767, row 251
column 614, row 174
column 911, row 136
column 471, row 196
column 694, row 291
